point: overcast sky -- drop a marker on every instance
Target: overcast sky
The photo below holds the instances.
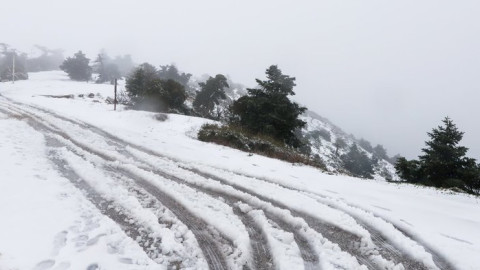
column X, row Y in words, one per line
column 388, row 71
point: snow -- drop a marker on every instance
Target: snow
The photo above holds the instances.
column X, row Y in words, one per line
column 284, row 249
column 46, row 220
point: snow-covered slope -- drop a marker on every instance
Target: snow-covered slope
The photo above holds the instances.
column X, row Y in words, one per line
column 76, row 180
column 320, row 136
column 324, row 146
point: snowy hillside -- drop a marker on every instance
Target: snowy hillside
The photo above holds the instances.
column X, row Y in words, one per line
column 320, row 136
column 86, row 187
column 324, row 146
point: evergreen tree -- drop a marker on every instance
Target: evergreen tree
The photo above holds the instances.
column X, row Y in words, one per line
column 443, row 159
column 268, row 110
column 107, row 71
column 443, row 163
column 141, row 82
column 172, row 94
column 357, row 163
column 365, row 145
column 171, row 72
column 380, row 152
column 211, row 92
column 148, row 92
column 77, row 68
column 409, row 170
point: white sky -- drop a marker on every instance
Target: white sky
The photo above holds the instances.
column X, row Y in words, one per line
column 388, row 71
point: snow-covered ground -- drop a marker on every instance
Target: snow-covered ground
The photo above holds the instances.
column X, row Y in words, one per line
column 47, row 223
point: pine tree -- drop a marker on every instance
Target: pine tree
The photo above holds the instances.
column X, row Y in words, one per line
column 268, row 110
column 357, row 163
column 107, row 71
column 380, row 152
column 148, row 92
column 141, row 82
column 443, row 159
column 77, row 68
column 211, row 92
column 444, row 163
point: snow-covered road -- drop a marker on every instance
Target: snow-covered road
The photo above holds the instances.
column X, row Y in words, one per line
column 118, row 202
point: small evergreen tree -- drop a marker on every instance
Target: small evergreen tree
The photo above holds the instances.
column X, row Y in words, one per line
column 357, row 163
column 409, row 170
column 77, row 68
column 443, row 159
column 268, row 110
column 443, row 163
column 211, row 92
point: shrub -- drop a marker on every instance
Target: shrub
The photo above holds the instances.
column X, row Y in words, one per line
column 240, row 139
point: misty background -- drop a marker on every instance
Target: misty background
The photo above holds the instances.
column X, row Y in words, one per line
column 386, row 71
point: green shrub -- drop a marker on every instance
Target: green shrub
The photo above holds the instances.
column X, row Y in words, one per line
column 453, row 183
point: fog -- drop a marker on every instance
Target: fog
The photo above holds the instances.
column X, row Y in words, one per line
column 387, row 71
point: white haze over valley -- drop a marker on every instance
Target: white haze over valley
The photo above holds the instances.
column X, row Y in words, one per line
column 387, row 71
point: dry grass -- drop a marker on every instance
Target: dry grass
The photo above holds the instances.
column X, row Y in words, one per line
column 238, row 138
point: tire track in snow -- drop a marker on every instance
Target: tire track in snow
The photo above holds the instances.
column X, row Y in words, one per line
column 347, row 241
column 309, row 256
column 387, row 248
column 379, row 237
column 261, row 255
column 137, row 232
column 206, row 239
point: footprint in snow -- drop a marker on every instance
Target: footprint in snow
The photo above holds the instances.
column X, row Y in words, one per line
column 44, row 265
column 59, row 242
column 125, row 260
column 62, row 266
column 94, row 240
column 93, row 266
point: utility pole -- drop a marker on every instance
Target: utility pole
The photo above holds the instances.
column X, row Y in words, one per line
column 115, row 97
